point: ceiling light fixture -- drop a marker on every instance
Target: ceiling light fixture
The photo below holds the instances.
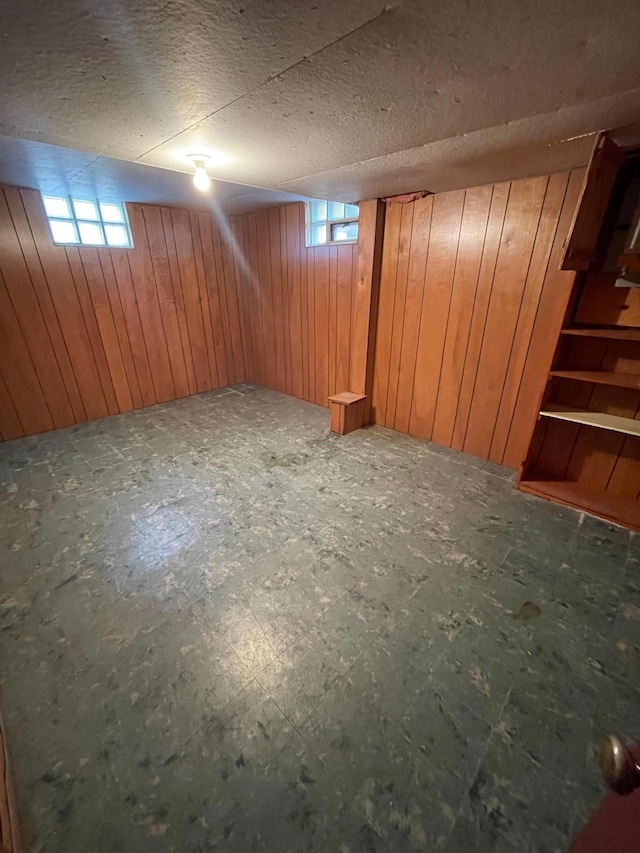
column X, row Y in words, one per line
column 201, row 179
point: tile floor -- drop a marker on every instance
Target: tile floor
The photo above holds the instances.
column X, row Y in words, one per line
column 224, row 628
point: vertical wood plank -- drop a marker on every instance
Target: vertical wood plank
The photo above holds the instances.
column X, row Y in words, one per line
column 65, row 300
column 226, row 327
column 222, row 244
column 421, row 229
column 399, row 311
column 295, row 313
column 131, row 337
column 242, row 294
column 252, row 241
column 178, row 297
column 185, row 255
column 541, row 256
column 200, row 287
column 343, row 316
column 34, row 311
column 469, row 255
column 18, row 371
column 441, row 261
column 214, row 303
column 266, row 297
column 551, row 308
column 333, row 318
column 322, row 300
column 386, row 301
column 286, row 315
column 149, row 307
column 10, row 426
column 110, row 322
column 278, row 307
column 154, row 237
column 127, row 346
column 304, row 329
column 520, row 228
column 93, row 330
column 483, row 293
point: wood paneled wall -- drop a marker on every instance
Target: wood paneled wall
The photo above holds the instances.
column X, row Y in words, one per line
column 469, row 309
column 471, row 302
column 298, row 304
column 86, row 333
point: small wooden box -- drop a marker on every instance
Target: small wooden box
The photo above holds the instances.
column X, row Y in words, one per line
column 347, row 412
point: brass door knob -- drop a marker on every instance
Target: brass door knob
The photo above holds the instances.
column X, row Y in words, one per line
column 620, row 770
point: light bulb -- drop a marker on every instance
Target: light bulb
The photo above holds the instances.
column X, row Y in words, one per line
column 201, row 179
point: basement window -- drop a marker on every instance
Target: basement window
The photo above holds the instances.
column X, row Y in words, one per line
column 87, row 222
column 330, row 222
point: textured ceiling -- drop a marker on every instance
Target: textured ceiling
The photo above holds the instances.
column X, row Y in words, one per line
column 56, row 170
column 337, row 99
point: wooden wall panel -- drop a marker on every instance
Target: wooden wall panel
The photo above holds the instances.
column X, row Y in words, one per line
column 86, row 333
column 297, row 304
column 479, row 268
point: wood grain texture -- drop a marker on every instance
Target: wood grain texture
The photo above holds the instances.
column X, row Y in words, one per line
column 86, row 333
column 471, row 303
column 604, row 165
column 298, row 305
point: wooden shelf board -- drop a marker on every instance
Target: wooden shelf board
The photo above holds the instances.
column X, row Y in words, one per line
column 600, row 420
column 602, row 377
column 346, row 398
column 610, row 334
column 600, row 503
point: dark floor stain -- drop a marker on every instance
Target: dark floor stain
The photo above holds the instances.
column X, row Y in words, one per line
column 68, row 580
column 64, row 813
column 529, row 610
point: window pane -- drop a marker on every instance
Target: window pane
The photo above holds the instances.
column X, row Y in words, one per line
column 111, row 212
column 345, row 231
column 319, row 234
column 116, row 235
column 63, row 232
column 56, row 206
column 351, row 210
column 336, row 210
column 91, row 234
column 318, row 211
column 85, row 209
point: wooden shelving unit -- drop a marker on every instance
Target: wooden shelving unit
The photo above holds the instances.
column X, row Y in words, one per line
column 580, row 496
column 585, row 447
column 599, row 420
column 601, row 377
column 607, row 334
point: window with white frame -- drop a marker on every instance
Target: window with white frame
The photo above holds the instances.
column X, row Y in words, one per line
column 331, row 222
column 87, row 222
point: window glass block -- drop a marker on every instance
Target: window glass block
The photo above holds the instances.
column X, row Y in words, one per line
column 85, row 209
column 336, row 210
column 116, row 235
column 56, row 206
column 319, row 211
column 344, row 231
column 91, row 234
column 63, row 232
column 351, row 210
column 111, row 212
column 319, row 235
